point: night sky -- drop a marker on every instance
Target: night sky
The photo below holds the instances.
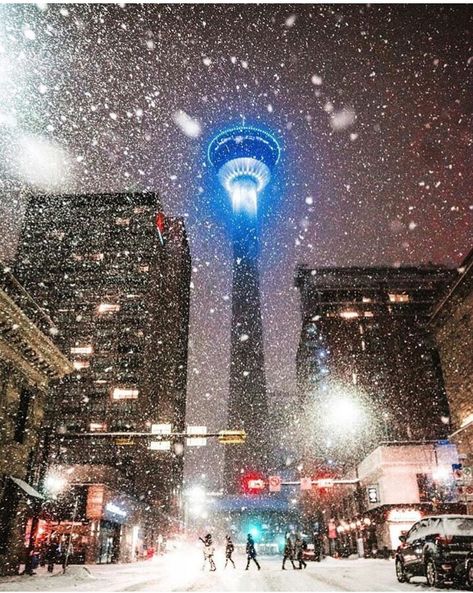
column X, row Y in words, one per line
column 372, row 106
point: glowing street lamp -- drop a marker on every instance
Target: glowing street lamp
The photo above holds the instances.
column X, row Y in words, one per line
column 54, row 484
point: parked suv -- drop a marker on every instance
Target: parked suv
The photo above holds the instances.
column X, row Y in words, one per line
column 438, row 548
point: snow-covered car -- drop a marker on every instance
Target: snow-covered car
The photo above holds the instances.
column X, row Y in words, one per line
column 439, row 548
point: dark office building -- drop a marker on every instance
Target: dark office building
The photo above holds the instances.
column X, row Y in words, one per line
column 113, row 273
column 365, row 350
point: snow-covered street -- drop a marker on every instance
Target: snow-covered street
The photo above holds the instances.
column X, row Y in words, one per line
column 182, row 572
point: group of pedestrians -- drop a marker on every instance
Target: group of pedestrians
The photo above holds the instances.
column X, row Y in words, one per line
column 294, row 552
column 209, row 551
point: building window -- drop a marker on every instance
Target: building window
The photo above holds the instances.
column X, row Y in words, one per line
column 107, row 308
column 96, row 256
column 98, row 427
column 368, row 314
column 366, row 300
column 349, row 314
column 119, row 393
column 81, row 364
column 122, row 221
column 85, row 349
column 22, row 415
column 398, row 297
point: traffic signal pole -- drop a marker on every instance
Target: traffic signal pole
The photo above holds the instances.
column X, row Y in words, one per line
column 226, row 437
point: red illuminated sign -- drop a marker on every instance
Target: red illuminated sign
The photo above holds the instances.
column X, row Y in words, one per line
column 253, row 483
column 160, row 226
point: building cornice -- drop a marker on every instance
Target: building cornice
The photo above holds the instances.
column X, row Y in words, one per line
column 24, row 338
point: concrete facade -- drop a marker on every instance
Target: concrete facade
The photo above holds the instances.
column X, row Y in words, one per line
column 29, row 360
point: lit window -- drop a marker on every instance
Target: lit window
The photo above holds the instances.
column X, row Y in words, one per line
column 96, row 256
column 143, row 268
column 86, row 349
column 349, row 314
column 122, row 222
column 368, row 314
column 398, row 298
column 80, row 364
column 98, row 427
column 363, row 345
column 108, row 308
column 124, row 393
column 366, row 300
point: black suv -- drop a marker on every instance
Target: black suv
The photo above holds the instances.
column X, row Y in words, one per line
column 439, row 548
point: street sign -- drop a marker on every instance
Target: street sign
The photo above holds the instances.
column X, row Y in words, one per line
column 200, row 441
column 325, row 483
column 124, row 441
column 306, row 483
column 160, row 445
column 256, row 484
column 161, row 428
column 231, row 437
column 274, row 483
column 373, row 494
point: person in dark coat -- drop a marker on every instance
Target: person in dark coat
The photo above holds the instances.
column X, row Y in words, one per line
column 251, row 552
column 52, row 554
column 208, row 552
column 288, row 554
column 299, row 550
column 229, row 549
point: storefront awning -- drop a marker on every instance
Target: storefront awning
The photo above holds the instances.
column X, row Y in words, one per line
column 27, row 489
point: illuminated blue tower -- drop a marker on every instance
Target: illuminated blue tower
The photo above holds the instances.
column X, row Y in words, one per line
column 244, row 158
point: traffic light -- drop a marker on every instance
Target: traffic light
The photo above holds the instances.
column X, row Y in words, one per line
column 231, row 437
column 253, row 483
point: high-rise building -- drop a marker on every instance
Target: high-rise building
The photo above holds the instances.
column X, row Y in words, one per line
column 244, row 157
column 367, row 365
column 113, row 273
column 452, row 325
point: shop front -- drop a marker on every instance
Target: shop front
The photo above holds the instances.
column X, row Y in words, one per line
column 92, row 524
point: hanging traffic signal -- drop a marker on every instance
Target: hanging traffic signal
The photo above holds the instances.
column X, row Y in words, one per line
column 231, row 437
column 253, row 483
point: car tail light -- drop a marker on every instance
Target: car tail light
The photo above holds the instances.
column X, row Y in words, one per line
column 443, row 540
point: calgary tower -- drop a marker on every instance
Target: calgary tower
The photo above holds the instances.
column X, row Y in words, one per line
column 244, row 158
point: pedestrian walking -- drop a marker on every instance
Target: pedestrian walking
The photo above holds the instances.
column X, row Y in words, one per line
column 229, row 549
column 209, row 551
column 288, row 554
column 251, row 552
column 299, row 552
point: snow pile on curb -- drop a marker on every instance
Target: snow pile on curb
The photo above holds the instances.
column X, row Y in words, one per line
column 55, row 582
column 75, row 572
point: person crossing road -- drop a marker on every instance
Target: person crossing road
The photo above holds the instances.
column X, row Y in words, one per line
column 288, row 554
column 209, row 551
column 229, row 549
column 251, row 552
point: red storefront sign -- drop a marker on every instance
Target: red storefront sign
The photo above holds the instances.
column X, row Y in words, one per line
column 95, row 501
